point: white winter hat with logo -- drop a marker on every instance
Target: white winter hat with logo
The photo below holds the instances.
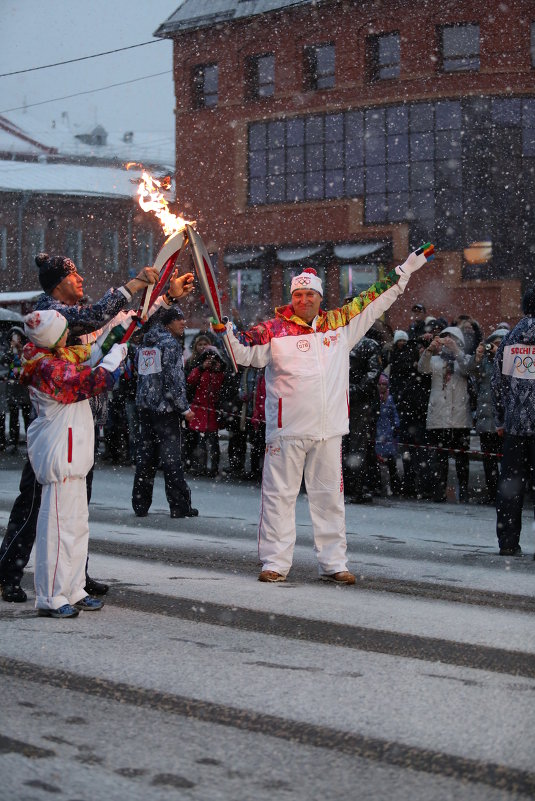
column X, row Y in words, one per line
column 45, row 328
column 308, row 279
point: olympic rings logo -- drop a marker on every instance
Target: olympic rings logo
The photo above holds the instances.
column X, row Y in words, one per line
column 524, row 365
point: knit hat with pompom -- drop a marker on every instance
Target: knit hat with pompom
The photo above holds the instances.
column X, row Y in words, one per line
column 52, row 270
column 308, row 279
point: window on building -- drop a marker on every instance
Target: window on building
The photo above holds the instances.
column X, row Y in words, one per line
column 384, row 56
column 73, row 246
column 143, row 249
column 3, row 248
column 35, row 243
column 205, row 86
column 260, row 76
column 110, row 251
column 319, row 66
column 460, row 48
column 411, row 164
column 246, row 290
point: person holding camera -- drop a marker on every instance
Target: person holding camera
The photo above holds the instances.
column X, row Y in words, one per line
column 481, row 366
column 449, row 419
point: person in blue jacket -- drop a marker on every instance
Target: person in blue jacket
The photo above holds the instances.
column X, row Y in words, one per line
column 513, row 395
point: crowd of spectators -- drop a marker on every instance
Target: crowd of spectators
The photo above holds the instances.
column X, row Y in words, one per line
column 417, row 398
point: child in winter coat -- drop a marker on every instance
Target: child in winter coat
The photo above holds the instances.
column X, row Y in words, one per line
column 61, row 450
column 386, row 445
column 206, row 380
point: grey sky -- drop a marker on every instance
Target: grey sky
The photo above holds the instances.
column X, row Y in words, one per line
column 39, row 32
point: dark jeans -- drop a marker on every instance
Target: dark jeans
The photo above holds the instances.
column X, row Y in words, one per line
column 22, row 525
column 517, row 466
column 491, row 443
column 204, row 444
column 14, row 421
column 414, row 459
column 441, row 439
column 159, row 442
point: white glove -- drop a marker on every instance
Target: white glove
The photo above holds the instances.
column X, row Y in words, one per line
column 113, row 359
column 413, row 263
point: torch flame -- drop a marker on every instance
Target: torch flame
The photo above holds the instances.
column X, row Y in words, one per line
column 151, row 199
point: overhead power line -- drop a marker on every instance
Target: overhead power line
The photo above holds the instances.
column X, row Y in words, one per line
column 82, row 58
column 87, row 92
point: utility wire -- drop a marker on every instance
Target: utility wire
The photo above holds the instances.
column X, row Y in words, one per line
column 87, row 92
column 82, row 58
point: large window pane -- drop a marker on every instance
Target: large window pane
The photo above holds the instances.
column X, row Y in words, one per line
column 334, row 183
column 257, row 135
column 295, row 159
column 354, row 182
column 376, row 178
column 460, row 48
column 398, row 148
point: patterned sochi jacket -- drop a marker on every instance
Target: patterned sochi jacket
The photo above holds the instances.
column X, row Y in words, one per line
column 60, row 438
column 83, row 322
column 513, row 380
column 161, row 386
column 307, row 366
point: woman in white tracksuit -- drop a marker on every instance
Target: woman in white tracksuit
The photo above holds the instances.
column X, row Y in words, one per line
column 306, row 355
column 60, row 449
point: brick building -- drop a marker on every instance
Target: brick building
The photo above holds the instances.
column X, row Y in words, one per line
column 341, row 134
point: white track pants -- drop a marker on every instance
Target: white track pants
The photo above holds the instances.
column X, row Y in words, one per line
column 285, row 461
column 61, row 544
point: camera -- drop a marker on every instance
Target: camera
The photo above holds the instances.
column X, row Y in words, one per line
column 488, row 347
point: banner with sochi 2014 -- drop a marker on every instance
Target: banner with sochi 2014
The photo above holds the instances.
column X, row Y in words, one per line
column 519, row 361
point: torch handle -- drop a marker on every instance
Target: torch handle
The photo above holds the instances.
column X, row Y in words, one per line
column 150, row 295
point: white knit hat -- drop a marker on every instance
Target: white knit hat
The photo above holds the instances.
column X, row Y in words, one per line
column 308, row 279
column 45, row 328
column 454, row 331
column 399, row 335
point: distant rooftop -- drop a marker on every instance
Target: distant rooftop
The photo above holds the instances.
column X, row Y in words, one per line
column 67, row 179
column 25, row 134
column 192, row 14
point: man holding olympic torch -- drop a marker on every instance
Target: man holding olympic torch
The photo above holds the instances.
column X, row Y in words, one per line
column 305, row 351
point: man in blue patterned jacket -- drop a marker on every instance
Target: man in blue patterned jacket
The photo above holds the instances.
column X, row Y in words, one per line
column 162, row 404
column 63, row 292
column 513, row 388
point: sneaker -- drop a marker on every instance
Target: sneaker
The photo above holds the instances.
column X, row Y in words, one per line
column 271, row 576
column 192, row 513
column 93, row 587
column 64, row 611
column 14, row 594
column 513, row 550
column 343, row 577
column 88, row 604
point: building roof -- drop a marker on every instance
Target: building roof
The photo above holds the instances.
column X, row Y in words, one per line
column 25, row 134
column 192, row 14
column 67, row 179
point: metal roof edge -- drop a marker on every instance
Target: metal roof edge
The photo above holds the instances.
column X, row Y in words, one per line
column 168, row 29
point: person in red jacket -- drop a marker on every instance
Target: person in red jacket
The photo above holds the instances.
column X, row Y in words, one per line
column 206, row 381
